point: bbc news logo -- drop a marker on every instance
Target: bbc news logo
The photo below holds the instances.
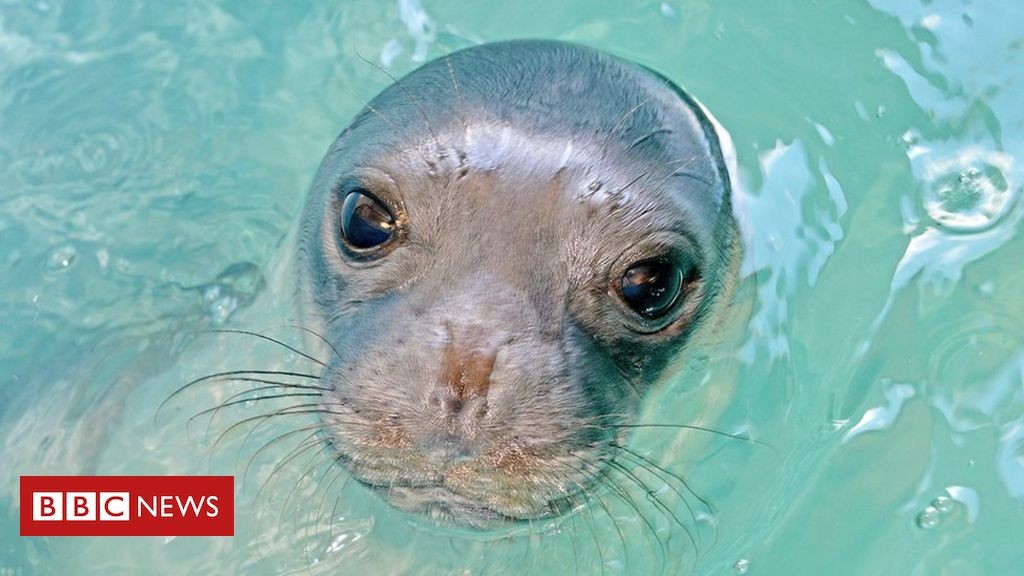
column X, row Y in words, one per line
column 127, row 506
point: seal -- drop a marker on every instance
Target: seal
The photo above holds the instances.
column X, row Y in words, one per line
column 502, row 254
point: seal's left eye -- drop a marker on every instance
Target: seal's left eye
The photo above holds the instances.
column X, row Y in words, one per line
column 651, row 288
column 365, row 222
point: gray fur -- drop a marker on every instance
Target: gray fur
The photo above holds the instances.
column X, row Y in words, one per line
column 526, row 174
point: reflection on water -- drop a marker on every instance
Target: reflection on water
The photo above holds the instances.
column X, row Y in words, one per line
column 153, row 157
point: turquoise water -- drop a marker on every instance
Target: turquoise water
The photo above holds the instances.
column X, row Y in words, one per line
column 153, row 157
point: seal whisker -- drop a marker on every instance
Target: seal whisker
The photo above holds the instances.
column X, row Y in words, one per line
column 348, row 475
column 592, row 524
column 260, row 419
column 572, row 544
column 648, row 492
column 685, row 174
column 330, row 519
column 650, row 467
column 325, row 466
column 412, row 99
column 268, row 339
column 455, row 83
column 659, row 504
column 318, row 336
column 306, row 408
column 298, row 482
column 337, row 500
column 613, row 131
column 640, row 457
column 300, row 446
column 228, row 376
column 652, row 169
column 602, row 504
column 700, row 429
column 381, row 115
column 235, row 399
column 279, row 438
column 270, row 383
column 652, row 497
column 624, row 495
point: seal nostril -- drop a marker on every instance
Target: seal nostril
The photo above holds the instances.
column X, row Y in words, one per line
column 454, row 405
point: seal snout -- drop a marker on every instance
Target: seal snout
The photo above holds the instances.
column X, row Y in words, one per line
column 467, row 366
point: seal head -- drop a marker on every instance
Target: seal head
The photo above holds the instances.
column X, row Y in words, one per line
column 504, row 251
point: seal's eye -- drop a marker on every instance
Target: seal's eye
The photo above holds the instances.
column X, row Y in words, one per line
column 365, row 222
column 651, row 287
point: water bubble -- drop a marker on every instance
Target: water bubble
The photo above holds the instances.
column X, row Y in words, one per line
column 741, row 566
column 943, row 504
column 928, row 518
column 970, row 191
column 222, row 308
column 61, row 257
column 211, row 293
column 968, row 497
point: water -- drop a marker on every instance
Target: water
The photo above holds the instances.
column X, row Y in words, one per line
column 153, row 156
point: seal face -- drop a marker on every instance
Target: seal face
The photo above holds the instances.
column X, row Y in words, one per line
column 504, row 251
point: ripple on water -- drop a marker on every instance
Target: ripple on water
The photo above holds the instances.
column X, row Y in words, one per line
column 975, row 371
column 969, row 191
column 970, row 197
column 96, row 121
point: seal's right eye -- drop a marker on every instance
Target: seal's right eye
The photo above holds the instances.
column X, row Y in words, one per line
column 652, row 287
column 366, row 223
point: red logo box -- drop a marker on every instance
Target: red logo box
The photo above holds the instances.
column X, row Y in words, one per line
column 127, row 505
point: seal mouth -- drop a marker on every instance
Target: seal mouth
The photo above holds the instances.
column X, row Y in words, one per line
column 438, row 503
column 470, row 491
column 445, row 506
